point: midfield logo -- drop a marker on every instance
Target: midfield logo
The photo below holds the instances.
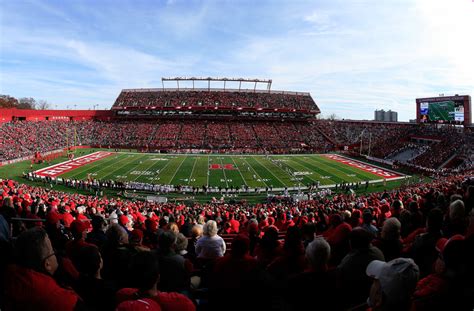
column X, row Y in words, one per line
column 219, row 167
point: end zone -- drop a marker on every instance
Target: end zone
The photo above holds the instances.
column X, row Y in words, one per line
column 64, row 167
column 370, row 168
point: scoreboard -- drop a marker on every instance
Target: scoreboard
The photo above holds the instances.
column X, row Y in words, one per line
column 444, row 109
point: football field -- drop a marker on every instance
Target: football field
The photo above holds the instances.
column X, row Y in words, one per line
column 277, row 171
column 442, row 111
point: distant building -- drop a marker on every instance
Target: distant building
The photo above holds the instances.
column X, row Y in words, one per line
column 386, row 116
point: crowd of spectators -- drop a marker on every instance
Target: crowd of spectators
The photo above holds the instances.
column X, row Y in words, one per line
column 21, row 138
column 407, row 249
column 445, row 145
column 228, row 99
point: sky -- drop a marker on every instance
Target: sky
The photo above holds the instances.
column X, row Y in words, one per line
column 353, row 56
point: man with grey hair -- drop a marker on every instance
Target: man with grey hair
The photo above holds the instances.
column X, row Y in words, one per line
column 457, row 222
column 316, row 285
column 390, row 243
column 317, row 253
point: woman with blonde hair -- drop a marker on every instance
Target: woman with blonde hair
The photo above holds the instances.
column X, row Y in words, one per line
column 210, row 245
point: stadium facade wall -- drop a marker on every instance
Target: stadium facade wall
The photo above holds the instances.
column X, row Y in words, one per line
column 7, row 115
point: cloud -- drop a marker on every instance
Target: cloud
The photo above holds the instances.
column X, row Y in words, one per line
column 318, row 18
column 353, row 57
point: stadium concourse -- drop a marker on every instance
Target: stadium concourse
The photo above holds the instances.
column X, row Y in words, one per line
column 406, row 249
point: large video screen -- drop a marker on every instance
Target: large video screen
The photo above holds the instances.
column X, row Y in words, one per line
column 449, row 111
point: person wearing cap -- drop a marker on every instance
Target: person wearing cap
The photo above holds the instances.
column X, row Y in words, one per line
column 53, row 227
column 367, row 219
column 124, row 221
column 116, row 254
column 150, row 234
column 447, row 288
column 338, row 235
column 97, row 235
column 79, row 232
column 136, row 240
column 29, row 282
column 394, row 283
column 423, row 250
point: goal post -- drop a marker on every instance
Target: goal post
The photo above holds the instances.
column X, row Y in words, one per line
column 71, row 143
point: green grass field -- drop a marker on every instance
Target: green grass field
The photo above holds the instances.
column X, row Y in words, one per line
column 337, row 172
column 277, row 171
column 440, row 111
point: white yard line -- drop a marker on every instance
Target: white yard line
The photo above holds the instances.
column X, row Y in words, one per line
column 192, row 171
column 112, row 173
column 131, row 169
column 145, row 170
column 223, row 171
column 256, row 174
column 245, row 182
column 176, row 171
column 284, row 184
column 208, row 171
column 161, row 170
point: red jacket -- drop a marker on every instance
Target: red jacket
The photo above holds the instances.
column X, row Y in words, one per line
column 167, row 301
column 28, row 289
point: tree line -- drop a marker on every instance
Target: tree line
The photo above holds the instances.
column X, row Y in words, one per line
column 7, row 101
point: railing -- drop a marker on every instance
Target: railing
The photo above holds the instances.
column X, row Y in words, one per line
column 216, row 90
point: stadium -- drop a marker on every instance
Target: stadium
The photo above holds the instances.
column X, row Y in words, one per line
column 210, row 193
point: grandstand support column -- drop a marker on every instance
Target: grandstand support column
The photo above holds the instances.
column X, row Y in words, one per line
column 361, row 137
column 370, row 143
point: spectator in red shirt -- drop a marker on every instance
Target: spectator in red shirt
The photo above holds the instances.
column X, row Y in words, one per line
column 29, row 282
column 448, row 287
column 234, row 275
column 234, row 224
column 146, row 274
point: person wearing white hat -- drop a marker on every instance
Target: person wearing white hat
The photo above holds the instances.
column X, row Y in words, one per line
column 393, row 285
